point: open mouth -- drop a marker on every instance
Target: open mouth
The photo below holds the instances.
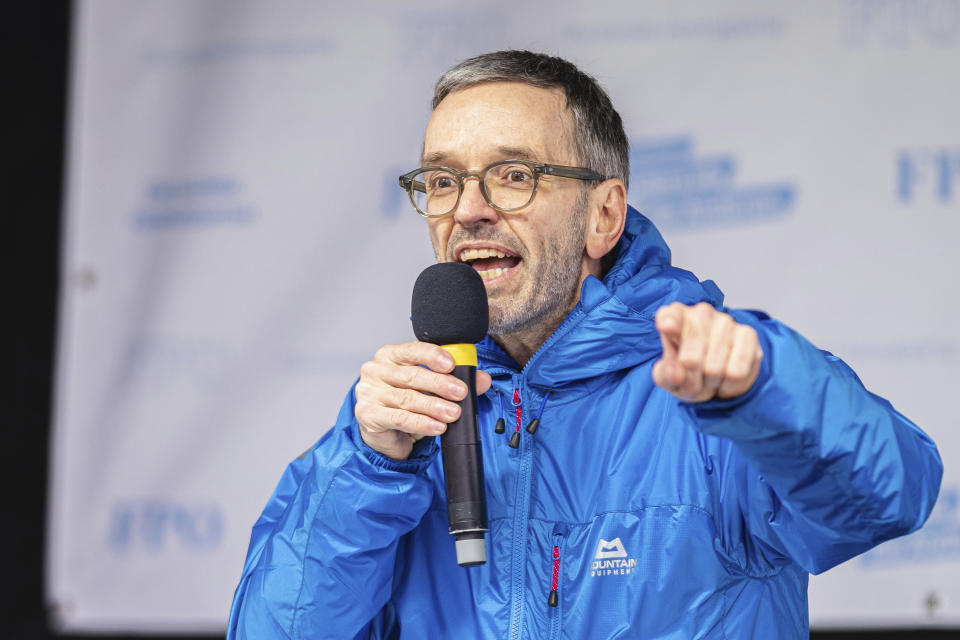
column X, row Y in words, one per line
column 489, row 262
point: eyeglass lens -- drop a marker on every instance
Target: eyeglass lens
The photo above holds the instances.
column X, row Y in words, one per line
column 508, row 186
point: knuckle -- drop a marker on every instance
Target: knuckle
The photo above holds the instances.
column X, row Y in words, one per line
column 363, row 413
column 738, row 371
column 736, row 375
column 403, row 420
column 689, row 359
column 383, row 353
column 712, row 370
column 368, row 369
column 436, row 383
column 692, row 380
column 672, row 309
column 408, row 376
column 725, row 320
column 423, row 379
column 412, row 350
column 417, row 423
column 416, row 401
column 400, row 398
column 364, row 390
column 659, row 374
column 690, row 391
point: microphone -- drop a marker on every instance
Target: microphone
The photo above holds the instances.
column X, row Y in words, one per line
column 449, row 309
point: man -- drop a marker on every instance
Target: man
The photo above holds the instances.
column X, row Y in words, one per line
column 692, row 464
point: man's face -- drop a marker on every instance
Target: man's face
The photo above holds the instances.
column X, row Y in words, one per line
column 538, row 279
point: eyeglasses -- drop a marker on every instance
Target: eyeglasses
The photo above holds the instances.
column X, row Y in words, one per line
column 507, row 185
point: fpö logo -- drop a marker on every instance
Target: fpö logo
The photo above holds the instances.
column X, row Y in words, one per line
column 190, row 203
column 901, row 23
column 677, row 188
column 158, row 524
column 929, row 175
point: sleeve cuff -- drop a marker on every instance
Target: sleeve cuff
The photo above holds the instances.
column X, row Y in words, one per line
column 424, row 451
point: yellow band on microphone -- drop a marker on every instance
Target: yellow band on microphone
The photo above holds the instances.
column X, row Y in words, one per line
column 463, row 353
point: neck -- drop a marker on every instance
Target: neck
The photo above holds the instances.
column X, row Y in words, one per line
column 522, row 343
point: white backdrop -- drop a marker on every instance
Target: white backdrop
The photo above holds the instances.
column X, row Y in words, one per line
column 236, row 245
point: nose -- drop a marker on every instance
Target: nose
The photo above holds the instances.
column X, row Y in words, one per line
column 473, row 209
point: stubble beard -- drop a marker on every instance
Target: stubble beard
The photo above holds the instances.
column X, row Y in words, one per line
column 550, row 291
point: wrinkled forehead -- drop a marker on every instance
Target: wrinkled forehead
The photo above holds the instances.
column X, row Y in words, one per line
column 487, row 122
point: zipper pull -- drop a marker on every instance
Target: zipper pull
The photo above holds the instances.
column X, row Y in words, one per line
column 553, row 599
column 515, row 438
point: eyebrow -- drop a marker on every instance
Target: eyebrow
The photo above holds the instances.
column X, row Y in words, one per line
column 520, row 153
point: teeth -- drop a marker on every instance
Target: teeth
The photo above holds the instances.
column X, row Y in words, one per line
column 490, row 274
column 478, row 254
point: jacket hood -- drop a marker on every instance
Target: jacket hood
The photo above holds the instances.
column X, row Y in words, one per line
column 611, row 328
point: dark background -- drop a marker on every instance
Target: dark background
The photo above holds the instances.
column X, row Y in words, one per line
column 36, row 42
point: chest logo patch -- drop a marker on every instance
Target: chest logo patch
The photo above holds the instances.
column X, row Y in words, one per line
column 611, row 559
column 610, row 549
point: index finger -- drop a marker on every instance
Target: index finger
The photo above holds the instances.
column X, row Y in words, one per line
column 416, row 353
column 669, row 323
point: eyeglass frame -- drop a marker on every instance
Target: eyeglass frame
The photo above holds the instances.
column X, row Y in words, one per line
column 536, row 169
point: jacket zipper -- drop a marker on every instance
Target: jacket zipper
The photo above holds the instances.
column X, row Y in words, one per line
column 520, row 515
column 575, row 316
column 553, row 599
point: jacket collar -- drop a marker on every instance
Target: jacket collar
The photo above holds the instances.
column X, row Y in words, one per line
column 611, row 328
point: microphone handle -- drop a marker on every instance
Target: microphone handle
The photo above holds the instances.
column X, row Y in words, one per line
column 463, row 465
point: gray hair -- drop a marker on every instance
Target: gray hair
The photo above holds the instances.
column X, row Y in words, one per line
column 599, row 137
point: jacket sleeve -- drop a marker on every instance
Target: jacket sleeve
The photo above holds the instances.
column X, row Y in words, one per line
column 820, row 469
column 321, row 556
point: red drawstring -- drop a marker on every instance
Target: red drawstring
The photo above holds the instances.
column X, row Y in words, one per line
column 552, row 600
column 534, row 424
column 515, row 438
column 556, row 567
column 516, row 403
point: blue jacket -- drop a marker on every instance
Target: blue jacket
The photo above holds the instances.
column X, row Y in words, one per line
column 651, row 518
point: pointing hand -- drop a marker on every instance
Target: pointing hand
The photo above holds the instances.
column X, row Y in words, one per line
column 706, row 353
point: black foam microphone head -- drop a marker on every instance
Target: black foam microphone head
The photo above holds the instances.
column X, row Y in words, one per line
column 449, row 304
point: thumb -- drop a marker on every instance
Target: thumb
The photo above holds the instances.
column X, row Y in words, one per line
column 483, row 381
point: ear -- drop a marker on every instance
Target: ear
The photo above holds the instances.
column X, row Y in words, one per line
column 606, row 216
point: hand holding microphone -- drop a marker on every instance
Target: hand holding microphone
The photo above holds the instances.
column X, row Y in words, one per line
column 406, row 392
column 450, row 309
column 415, row 389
